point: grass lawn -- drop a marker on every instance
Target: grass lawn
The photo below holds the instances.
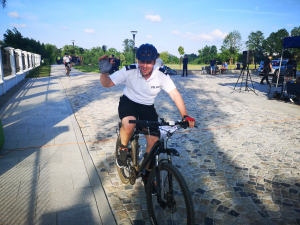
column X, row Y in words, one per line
column 88, row 69
column 199, row 67
column 41, row 71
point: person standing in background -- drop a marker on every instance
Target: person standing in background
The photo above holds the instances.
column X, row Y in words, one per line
column 185, row 62
column 118, row 62
column 267, row 69
column 295, row 67
column 159, row 61
column 212, row 65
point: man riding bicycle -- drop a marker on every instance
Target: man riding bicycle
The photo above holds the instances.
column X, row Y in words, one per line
column 67, row 62
column 143, row 82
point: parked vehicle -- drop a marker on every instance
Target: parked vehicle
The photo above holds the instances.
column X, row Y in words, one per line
column 275, row 65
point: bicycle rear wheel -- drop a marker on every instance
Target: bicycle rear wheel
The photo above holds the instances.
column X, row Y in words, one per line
column 124, row 172
column 68, row 71
column 179, row 206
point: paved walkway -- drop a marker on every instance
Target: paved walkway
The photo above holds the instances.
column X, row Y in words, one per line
column 46, row 173
column 241, row 163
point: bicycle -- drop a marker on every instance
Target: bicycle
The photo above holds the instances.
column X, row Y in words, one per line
column 68, row 69
column 168, row 197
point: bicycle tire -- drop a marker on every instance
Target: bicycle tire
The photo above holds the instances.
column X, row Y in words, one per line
column 68, row 71
column 121, row 171
column 184, row 213
column 134, row 154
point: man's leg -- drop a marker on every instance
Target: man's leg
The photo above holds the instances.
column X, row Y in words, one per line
column 150, row 142
column 127, row 129
column 126, row 132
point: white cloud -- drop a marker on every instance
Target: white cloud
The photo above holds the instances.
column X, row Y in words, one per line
column 90, row 31
column 175, row 32
column 149, row 36
column 153, row 18
column 290, row 25
column 18, row 25
column 65, row 28
column 212, row 36
column 14, row 14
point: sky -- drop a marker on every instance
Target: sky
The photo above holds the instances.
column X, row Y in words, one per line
column 165, row 24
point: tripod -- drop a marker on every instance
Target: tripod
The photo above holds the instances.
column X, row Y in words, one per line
column 247, row 88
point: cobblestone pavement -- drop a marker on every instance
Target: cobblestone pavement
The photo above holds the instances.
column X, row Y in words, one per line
column 241, row 163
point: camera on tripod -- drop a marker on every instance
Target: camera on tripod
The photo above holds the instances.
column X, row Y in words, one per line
column 247, row 57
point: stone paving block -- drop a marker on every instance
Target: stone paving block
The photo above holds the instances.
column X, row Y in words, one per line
column 87, row 215
column 46, row 185
column 67, row 200
column 62, row 140
column 80, row 180
column 17, row 209
column 55, row 169
column 10, row 145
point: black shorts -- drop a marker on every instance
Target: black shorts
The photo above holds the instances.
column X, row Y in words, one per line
column 67, row 63
column 139, row 111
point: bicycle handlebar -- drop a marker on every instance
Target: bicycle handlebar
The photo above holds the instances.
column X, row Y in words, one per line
column 183, row 124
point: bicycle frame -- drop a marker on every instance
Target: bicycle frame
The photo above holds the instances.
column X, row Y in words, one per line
column 157, row 149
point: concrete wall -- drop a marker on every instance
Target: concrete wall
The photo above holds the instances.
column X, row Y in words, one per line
column 15, row 77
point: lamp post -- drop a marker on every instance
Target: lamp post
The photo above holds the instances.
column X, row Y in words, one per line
column 133, row 33
column 67, row 50
column 73, row 41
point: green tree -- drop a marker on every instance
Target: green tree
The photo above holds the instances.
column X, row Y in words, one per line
column 122, row 58
column 274, row 43
column 255, row 44
column 3, row 3
column 296, row 52
column 128, row 45
column 233, row 42
column 164, row 56
column 113, row 50
column 181, row 50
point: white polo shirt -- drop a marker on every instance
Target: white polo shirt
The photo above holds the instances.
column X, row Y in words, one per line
column 67, row 59
column 140, row 90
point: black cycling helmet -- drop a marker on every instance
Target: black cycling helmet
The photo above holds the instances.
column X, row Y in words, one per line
column 66, row 53
column 146, row 52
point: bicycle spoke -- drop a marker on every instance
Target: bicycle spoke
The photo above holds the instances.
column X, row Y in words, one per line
column 175, row 211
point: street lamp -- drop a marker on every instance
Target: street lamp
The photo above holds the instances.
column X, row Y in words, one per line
column 133, row 33
column 67, row 50
column 73, row 41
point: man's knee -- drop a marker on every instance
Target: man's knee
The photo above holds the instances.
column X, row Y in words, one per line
column 128, row 127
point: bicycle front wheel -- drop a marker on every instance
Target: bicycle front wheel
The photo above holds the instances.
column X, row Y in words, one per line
column 178, row 207
column 68, row 71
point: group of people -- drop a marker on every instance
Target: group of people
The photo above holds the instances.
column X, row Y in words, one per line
column 75, row 59
column 291, row 68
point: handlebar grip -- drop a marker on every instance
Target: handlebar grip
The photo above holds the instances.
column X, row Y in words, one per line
column 137, row 121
